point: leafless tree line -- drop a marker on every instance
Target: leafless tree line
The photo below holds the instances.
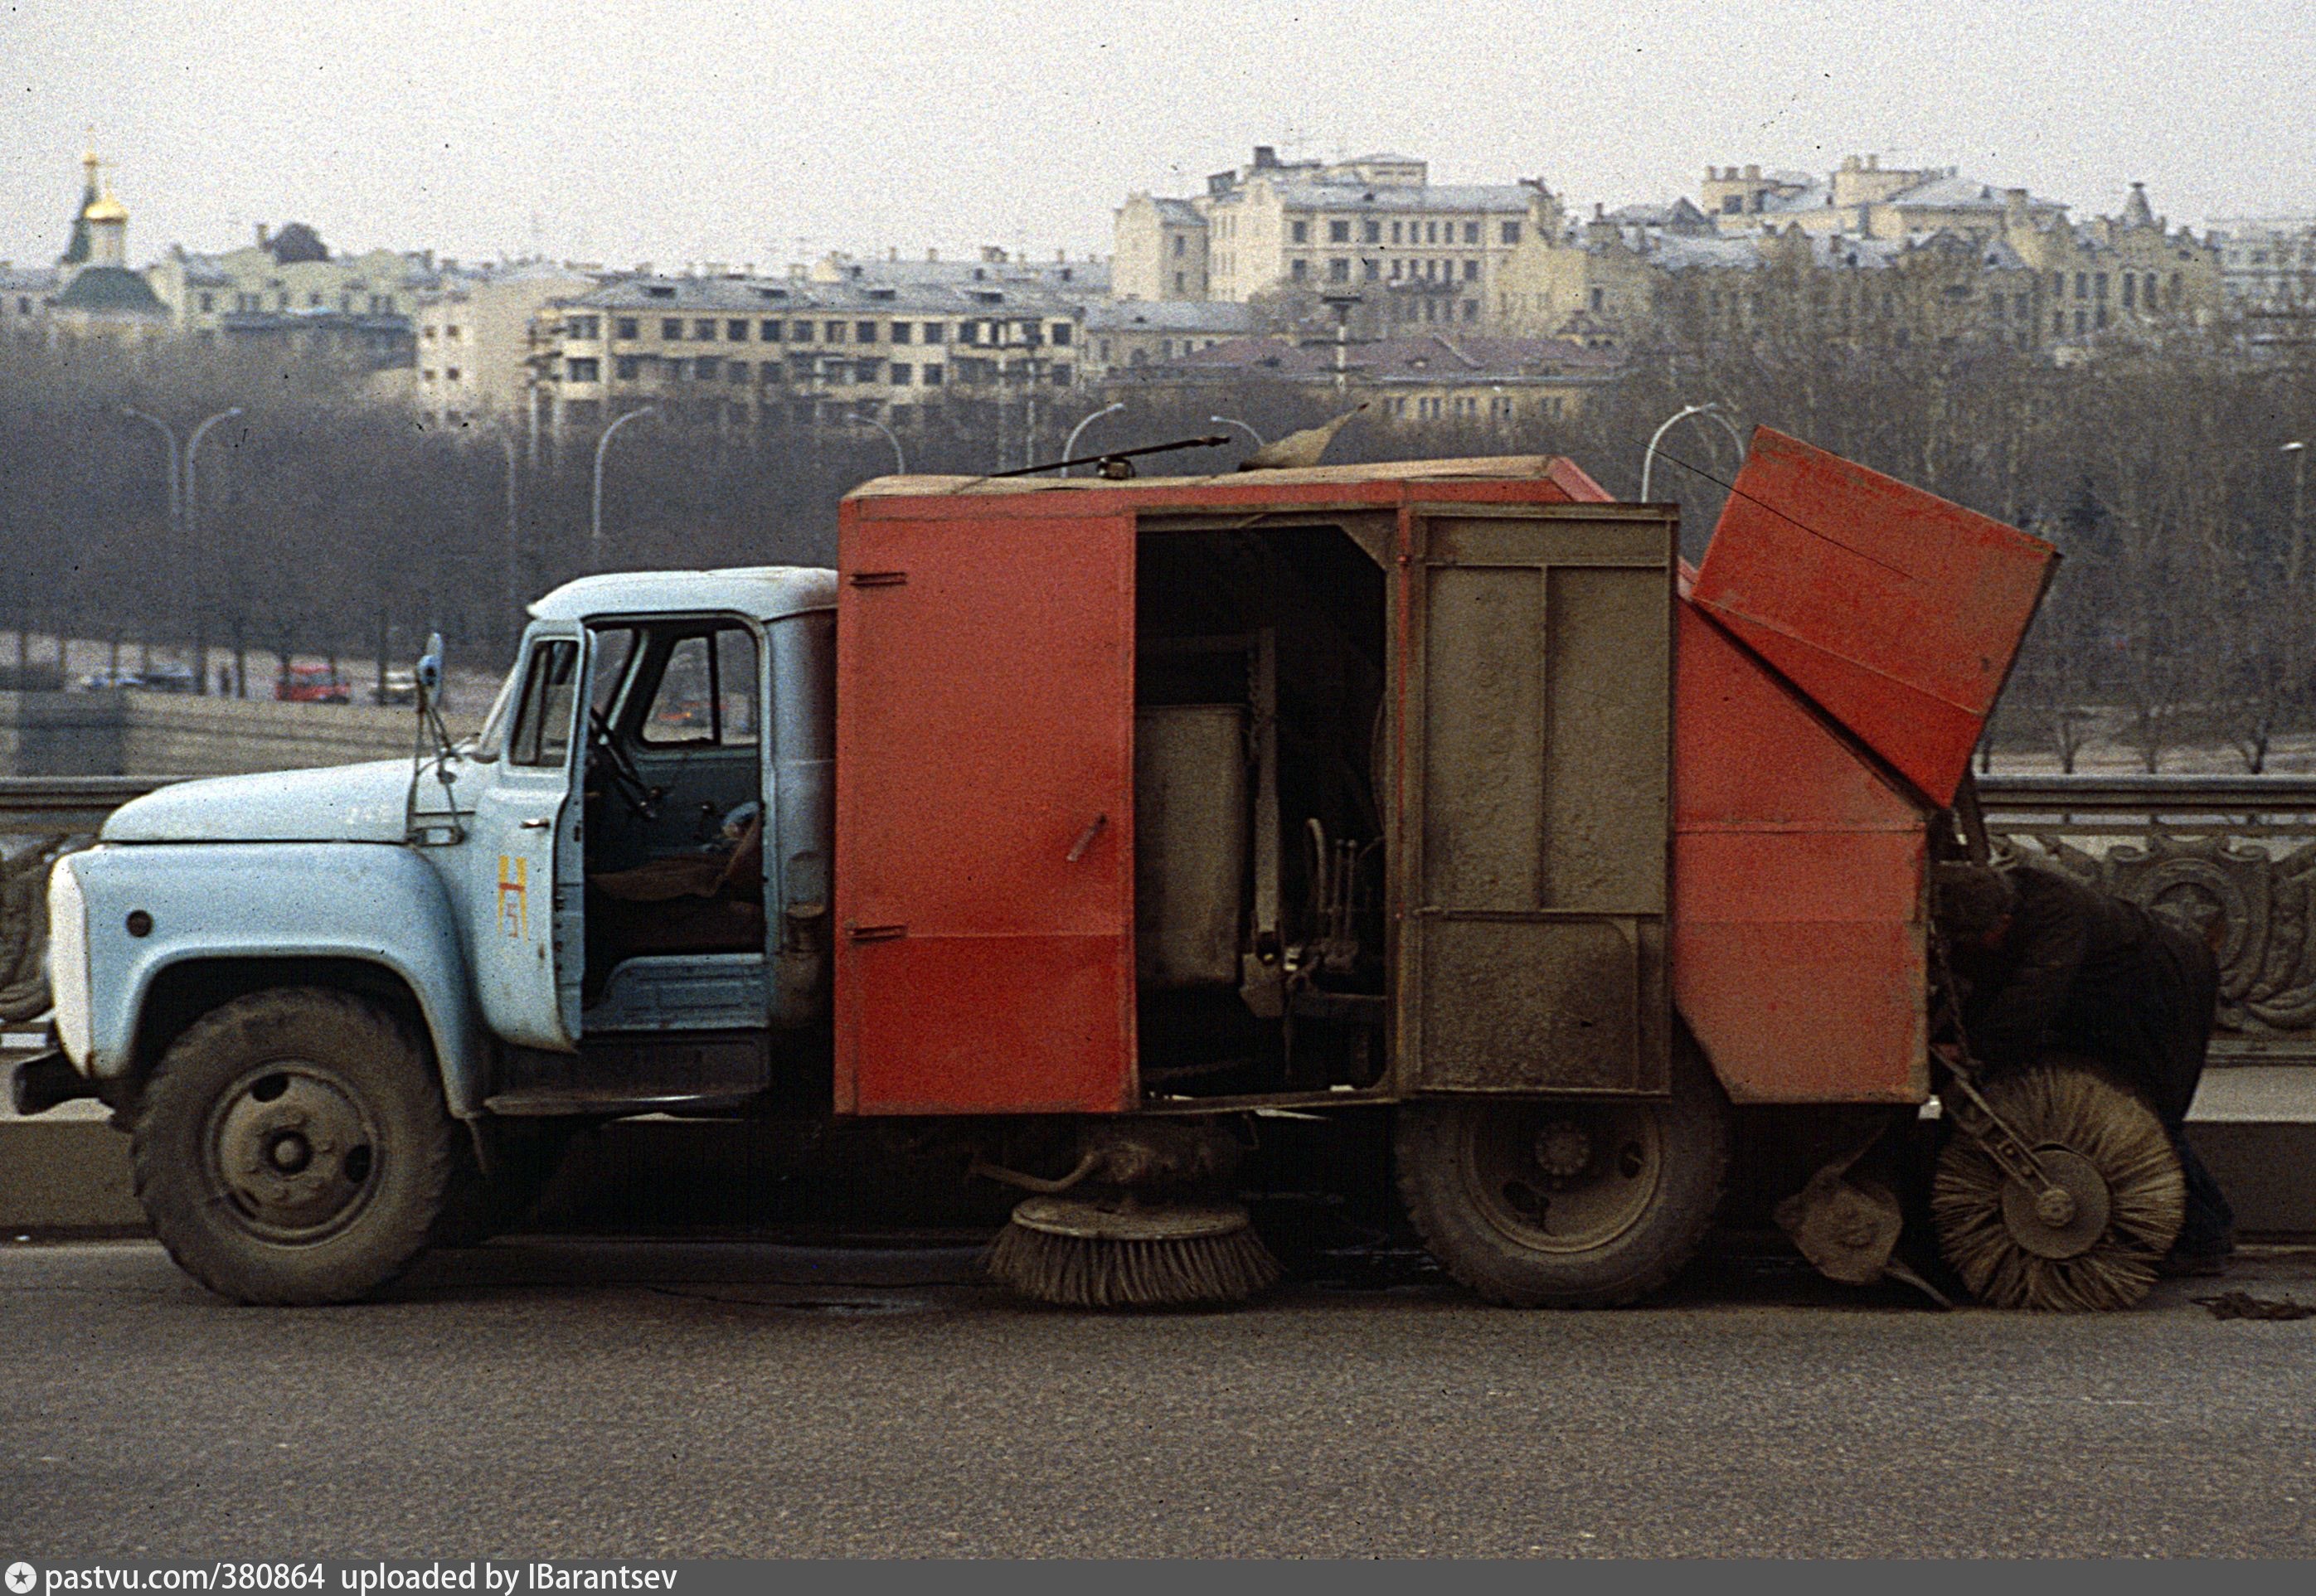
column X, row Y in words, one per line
column 2180, row 619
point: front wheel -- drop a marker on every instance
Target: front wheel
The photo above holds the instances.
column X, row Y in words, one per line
column 292, row 1148
column 1569, row 1202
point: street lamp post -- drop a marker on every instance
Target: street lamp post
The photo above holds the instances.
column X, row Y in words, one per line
column 595, row 514
column 1649, row 455
column 899, row 461
column 1233, row 421
column 2298, row 450
column 191, row 517
column 514, row 539
column 1069, row 449
column 169, row 433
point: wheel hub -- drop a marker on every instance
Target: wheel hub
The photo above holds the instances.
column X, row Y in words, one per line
column 2067, row 1219
column 292, row 1150
column 1563, row 1150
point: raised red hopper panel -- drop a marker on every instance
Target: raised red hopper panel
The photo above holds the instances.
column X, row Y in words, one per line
column 1897, row 612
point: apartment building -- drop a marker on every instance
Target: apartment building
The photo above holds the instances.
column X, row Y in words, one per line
column 2268, row 264
column 2011, row 271
column 473, row 342
column 1413, row 250
column 737, row 350
column 1415, row 379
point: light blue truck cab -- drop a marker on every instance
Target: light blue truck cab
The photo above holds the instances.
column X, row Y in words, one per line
column 613, row 899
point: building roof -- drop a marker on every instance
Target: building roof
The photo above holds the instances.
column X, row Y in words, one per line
column 1963, row 193
column 1428, row 358
column 110, row 289
column 1179, row 211
column 1170, row 316
column 762, row 296
column 1505, row 197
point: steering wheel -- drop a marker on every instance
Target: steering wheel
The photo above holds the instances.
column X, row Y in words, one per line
column 641, row 797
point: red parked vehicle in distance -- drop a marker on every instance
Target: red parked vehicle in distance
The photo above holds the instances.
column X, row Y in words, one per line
column 313, row 685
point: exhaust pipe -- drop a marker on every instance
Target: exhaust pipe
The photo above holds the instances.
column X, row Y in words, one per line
column 42, row 1083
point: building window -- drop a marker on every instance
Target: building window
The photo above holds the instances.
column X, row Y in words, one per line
column 901, row 374
column 1371, row 232
column 427, row 333
column 1180, row 246
column 1510, row 234
column 1431, row 232
column 1598, row 298
column 1471, row 271
column 2130, row 291
column 672, row 330
column 2098, row 286
column 628, row 366
column 934, row 332
column 932, row 375
column 832, row 332
column 1372, row 271
column 1298, row 232
column 577, row 371
column 799, row 332
column 704, row 329
column 2058, row 284
column 209, row 302
column 586, row 328
column 736, row 331
column 1300, row 271
column 626, row 329
column 2080, row 319
column 1182, row 282
column 1471, row 310
column 868, row 370
column 769, row 330
column 2082, row 285
column 1394, row 238
column 1471, row 231
column 864, row 332
column 451, row 373
column 1061, row 374
column 901, row 332
column 428, row 374
column 1339, row 232
column 706, row 369
column 2058, row 324
column 1339, row 270
column 1059, row 337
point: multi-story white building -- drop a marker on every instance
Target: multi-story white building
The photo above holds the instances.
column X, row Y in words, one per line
column 2268, row 264
column 738, row 349
column 1377, row 227
column 474, row 339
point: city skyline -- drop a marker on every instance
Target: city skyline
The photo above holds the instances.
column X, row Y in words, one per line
column 509, row 131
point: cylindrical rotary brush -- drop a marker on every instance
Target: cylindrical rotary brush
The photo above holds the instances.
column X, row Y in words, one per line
column 2098, row 1245
column 1114, row 1252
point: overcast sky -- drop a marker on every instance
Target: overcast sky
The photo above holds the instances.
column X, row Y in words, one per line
column 755, row 132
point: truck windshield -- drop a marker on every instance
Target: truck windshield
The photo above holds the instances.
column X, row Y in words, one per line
column 484, row 744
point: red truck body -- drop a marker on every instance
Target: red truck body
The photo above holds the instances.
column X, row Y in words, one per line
column 1833, row 660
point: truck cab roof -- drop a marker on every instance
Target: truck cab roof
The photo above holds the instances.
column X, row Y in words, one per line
column 763, row 592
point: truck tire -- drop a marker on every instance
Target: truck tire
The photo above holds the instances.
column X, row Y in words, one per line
column 292, row 1148
column 1580, row 1203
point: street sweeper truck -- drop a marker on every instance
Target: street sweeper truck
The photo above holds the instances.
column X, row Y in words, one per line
column 1077, row 824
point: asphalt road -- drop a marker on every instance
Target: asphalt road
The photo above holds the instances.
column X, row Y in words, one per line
column 696, row 1399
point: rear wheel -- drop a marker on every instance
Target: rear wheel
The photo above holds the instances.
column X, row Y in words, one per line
column 1567, row 1203
column 292, row 1148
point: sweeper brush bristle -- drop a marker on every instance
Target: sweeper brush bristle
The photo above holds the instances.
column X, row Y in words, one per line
column 1993, row 1245
column 1095, row 1271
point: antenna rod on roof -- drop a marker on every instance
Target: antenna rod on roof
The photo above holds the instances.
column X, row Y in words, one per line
column 1113, row 464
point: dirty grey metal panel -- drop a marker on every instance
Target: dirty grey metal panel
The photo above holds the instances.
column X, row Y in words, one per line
column 1569, row 1021
column 1190, row 842
column 1540, row 735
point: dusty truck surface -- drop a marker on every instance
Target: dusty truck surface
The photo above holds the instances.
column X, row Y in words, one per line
column 1072, row 825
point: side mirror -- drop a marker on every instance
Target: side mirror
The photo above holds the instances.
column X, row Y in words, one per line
column 429, row 672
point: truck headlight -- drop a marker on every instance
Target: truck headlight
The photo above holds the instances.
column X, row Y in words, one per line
column 68, row 960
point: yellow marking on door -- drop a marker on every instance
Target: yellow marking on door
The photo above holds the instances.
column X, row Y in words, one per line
column 515, row 897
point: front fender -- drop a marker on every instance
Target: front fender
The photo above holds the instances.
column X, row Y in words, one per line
column 376, row 903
